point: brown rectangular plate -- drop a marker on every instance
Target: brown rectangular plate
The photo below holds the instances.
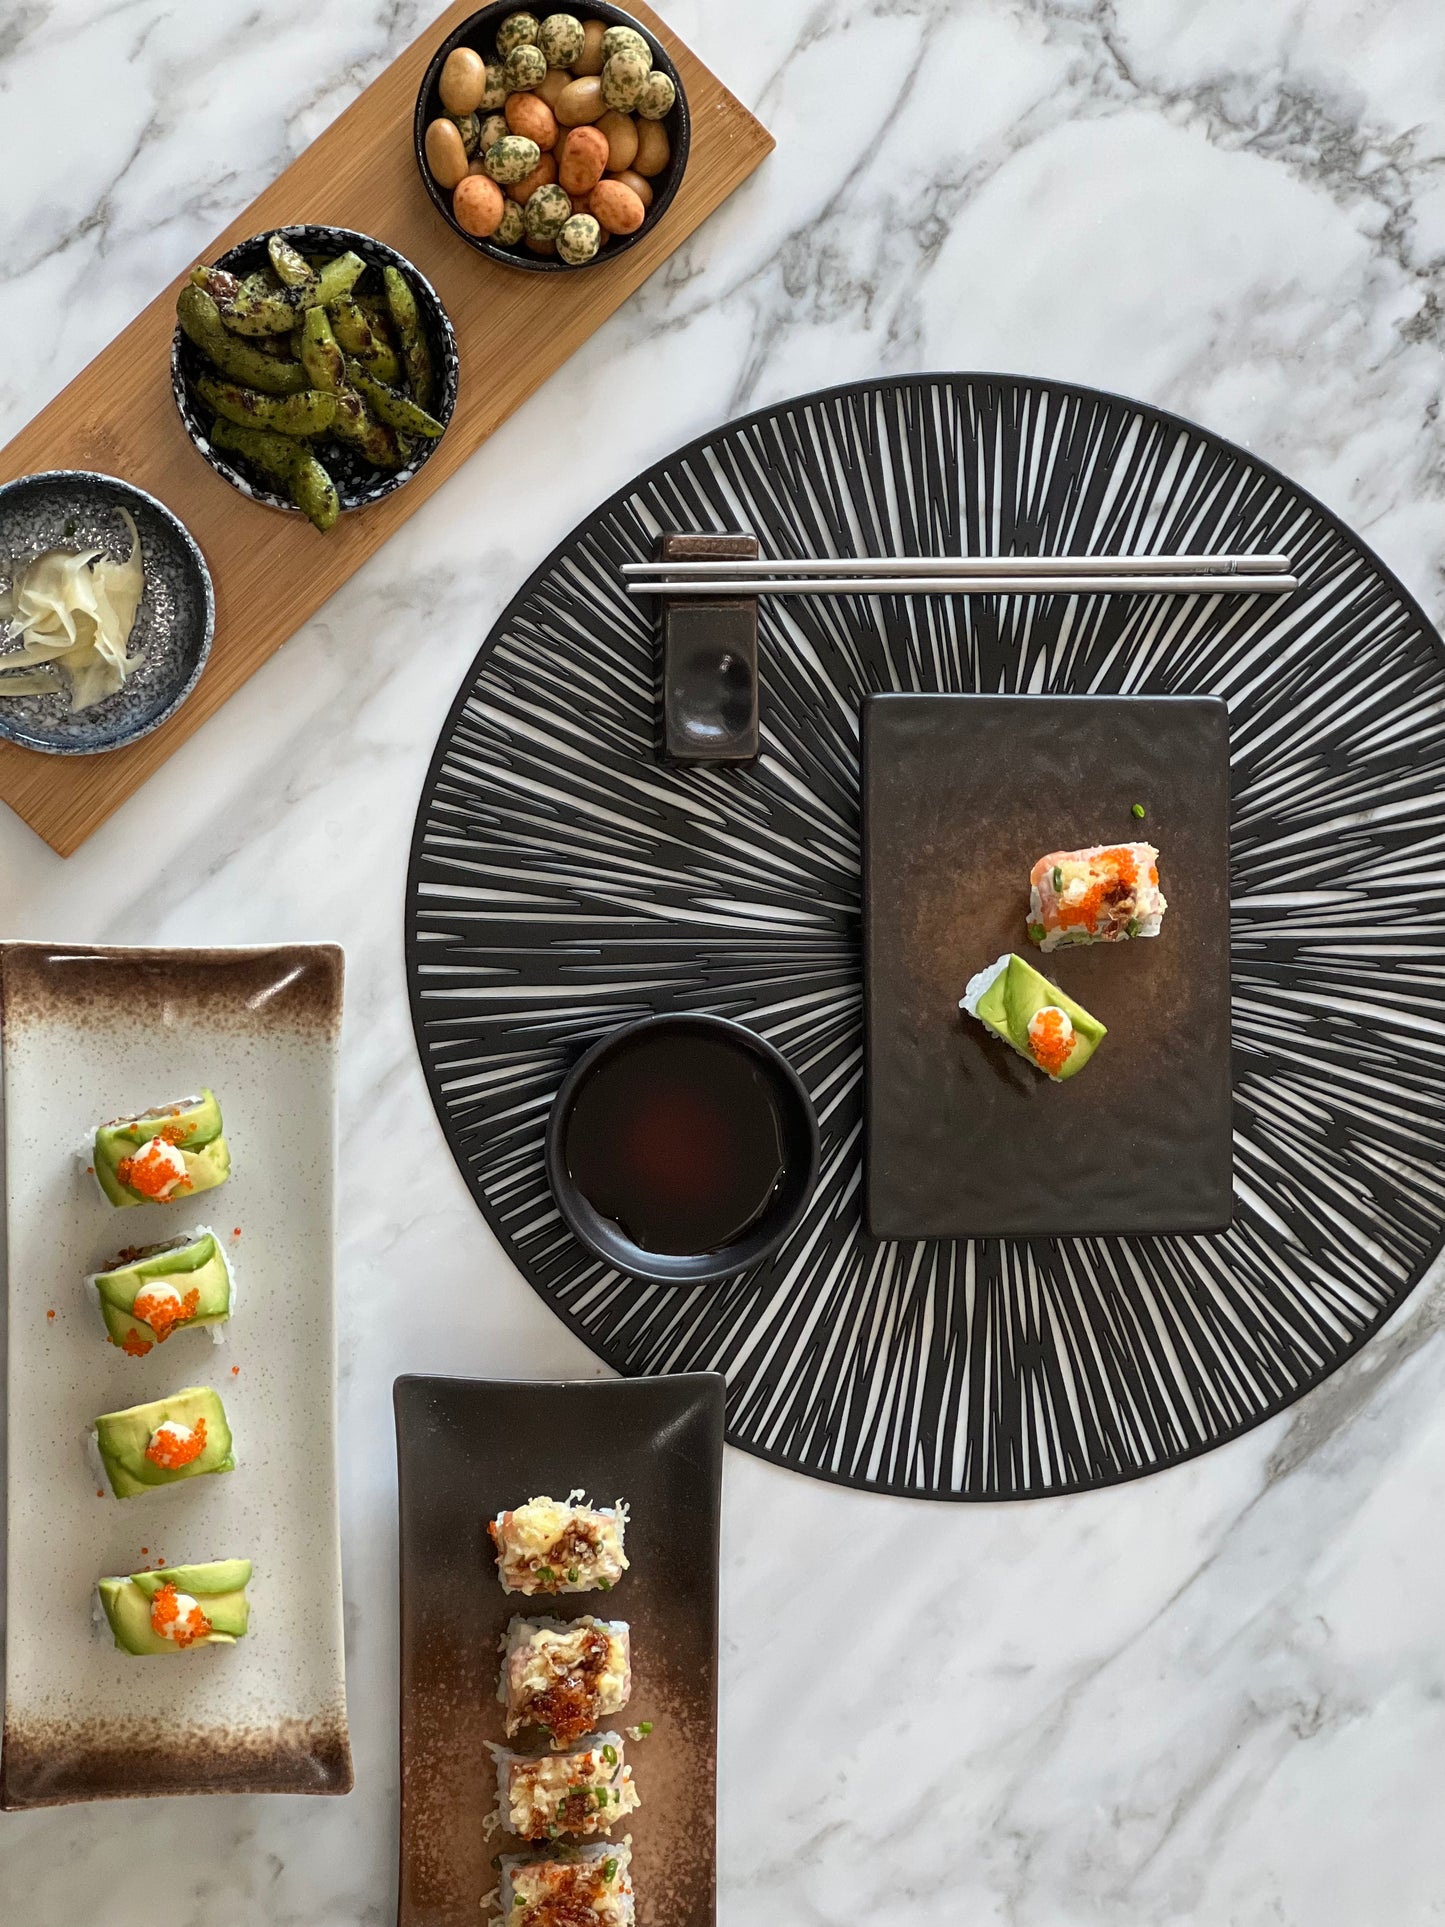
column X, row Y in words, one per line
column 468, row 1449
column 272, row 571
column 962, row 795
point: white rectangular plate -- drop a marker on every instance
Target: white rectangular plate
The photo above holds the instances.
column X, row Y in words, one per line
column 91, row 1034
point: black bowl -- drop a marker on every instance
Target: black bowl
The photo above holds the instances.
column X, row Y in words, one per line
column 479, row 33
column 357, row 482
column 784, row 1209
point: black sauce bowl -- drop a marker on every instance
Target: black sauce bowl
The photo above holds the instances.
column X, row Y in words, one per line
column 479, row 32
column 799, row 1128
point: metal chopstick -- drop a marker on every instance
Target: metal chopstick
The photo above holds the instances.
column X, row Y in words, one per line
column 1198, row 583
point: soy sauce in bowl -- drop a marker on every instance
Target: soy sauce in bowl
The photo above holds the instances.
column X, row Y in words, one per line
column 683, row 1148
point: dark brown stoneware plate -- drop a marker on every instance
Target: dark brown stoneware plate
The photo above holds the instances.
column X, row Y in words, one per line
column 468, row 1449
column 962, row 794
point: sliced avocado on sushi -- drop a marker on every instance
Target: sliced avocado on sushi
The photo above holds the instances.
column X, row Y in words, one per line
column 177, row 1607
column 163, row 1155
column 184, row 1436
column 1034, row 1017
column 149, row 1292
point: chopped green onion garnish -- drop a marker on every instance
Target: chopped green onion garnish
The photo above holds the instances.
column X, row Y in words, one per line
column 1037, row 932
column 1131, row 928
column 546, row 1572
column 571, row 1575
column 609, row 1868
column 644, row 1728
column 1058, row 878
column 604, row 1585
column 609, row 1753
column 1139, row 809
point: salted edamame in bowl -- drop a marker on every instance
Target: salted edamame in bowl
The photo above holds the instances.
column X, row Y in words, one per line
column 551, row 140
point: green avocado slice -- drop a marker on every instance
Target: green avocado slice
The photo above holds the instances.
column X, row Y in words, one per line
column 190, row 1264
column 122, row 1438
column 218, row 1588
column 193, row 1124
column 1006, row 996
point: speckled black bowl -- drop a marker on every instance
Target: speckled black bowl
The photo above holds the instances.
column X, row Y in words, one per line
column 479, row 32
column 357, row 482
column 74, row 509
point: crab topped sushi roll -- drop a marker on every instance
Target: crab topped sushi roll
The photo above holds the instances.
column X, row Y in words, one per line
column 587, row 1789
column 586, row 1887
column 551, row 1546
column 564, row 1677
column 1034, row 1017
column 164, row 1155
column 1105, row 894
column 150, row 1291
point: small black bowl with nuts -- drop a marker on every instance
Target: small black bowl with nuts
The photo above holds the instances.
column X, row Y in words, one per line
column 551, row 141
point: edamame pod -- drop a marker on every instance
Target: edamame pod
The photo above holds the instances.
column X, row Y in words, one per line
column 200, row 320
column 291, row 268
column 321, row 356
column 369, row 437
column 389, row 405
column 306, row 481
column 259, row 307
column 310, row 412
column 407, row 321
column 339, row 277
column 359, row 338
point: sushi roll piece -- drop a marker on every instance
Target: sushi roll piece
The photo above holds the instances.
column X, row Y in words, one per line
column 586, row 1789
column 581, row 1887
column 163, row 1155
column 555, row 1546
column 185, row 1436
column 1105, row 894
column 178, row 1607
column 150, row 1291
column 1033, row 1017
column 564, row 1677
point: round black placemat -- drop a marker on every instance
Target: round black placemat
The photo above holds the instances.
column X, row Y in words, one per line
column 562, row 882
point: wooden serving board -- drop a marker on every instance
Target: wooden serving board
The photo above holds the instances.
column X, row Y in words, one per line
column 273, row 571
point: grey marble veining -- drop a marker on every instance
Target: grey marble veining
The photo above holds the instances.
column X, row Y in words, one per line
column 1213, row 1699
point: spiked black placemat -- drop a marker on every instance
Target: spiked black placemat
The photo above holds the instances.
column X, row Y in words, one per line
column 562, row 882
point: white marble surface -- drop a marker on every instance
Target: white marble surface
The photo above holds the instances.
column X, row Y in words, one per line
column 1217, row 1697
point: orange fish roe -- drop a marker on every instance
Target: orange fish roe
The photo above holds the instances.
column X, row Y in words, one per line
column 235, row 1371
column 170, row 1453
column 50, row 1315
column 167, row 1621
column 161, row 1307
column 235, row 1231
column 151, row 1172
column 1051, row 1039
column 100, row 1492
column 1115, row 872
column 133, row 1345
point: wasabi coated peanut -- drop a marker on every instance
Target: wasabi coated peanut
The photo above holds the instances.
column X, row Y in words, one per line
column 200, row 321
column 306, row 481
column 517, row 30
column 578, row 240
column 623, row 79
column 547, row 212
column 321, row 355
column 526, row 68
column 470, row 129
column 495, row 93
column 292, row 268
column 625, row 40
column 355, row 425
column 561, row 39
column 357, row 337
column 512, row 226
column 658, row 96
column 308, row 413
column 406, row 319
column 511, row 158
column 493, row 129
column 388, row 405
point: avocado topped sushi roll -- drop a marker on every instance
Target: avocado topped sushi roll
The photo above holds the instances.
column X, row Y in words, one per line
column 585, row 1790
column 163, row 1155
column 1105, row 894
column 550, row 1546
column 177, row 1607
column 150, row 1291
column 1034, row 1017
column 588, row 1887
column 564, row 1677
column 184, row 1436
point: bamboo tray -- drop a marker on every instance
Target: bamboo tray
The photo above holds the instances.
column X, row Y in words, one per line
column 272, row 571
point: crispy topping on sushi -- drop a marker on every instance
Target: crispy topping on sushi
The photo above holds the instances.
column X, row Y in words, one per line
column 1033, row 1016
column 158, row 1156
column 591, row 1887
column 150, row 1291
column 587, row 1789
column 175, row 1615
column 551, row 1546
column 564, row 1677
column 1105, row 894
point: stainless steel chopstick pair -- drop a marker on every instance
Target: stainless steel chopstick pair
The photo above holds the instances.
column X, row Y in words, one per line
column 969, row 575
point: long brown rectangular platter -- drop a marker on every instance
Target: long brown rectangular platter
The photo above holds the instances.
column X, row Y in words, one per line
column 469, row 1449
column 272, row 571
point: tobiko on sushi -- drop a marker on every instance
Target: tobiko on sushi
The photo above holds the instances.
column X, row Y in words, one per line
column 1105, row 894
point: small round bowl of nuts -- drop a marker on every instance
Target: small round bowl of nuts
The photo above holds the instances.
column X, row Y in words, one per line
column 551, row 140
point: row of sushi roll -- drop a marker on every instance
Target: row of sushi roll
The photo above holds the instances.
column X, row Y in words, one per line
column 561, row 1680
column 1107, row 893
column 147, row 1293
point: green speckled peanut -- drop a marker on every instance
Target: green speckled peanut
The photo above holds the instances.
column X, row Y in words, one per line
column 657, row 97
column 578, row 240
column 511, row 158
column 623, row 79
column 548, row 212
column 526, row 68
column 561, row 39
column 625, row 40
column 517, row 30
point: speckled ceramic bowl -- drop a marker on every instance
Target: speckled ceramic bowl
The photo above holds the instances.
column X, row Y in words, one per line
column 74, row 509
column 357, row 482
column 480, row 32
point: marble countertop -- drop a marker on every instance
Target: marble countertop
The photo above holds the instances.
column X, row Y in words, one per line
column 1214, row 1697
